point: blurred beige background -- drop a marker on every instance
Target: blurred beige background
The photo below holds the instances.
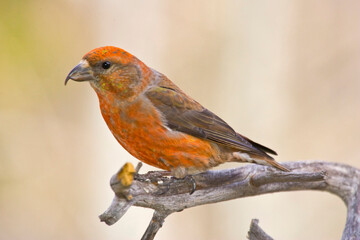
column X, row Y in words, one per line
column 284, row 73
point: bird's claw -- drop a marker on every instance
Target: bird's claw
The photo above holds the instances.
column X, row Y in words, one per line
column 192, row 182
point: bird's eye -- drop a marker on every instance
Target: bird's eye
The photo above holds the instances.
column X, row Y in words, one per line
column 106, row 65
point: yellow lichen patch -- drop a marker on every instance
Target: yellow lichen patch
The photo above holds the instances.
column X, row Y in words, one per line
column 126, row 174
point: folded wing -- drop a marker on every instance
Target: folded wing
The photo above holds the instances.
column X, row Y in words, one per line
column 186, row 115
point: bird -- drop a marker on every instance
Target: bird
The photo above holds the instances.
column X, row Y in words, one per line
column 158, row 123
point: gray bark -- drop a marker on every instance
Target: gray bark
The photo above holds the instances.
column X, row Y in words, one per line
column 167, row 195
column 256, row 233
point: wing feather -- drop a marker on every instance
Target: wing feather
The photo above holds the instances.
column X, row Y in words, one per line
column 186, row 115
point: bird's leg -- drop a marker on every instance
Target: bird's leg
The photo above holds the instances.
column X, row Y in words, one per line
column 182, row 173
column 192, row 182
column 164, row 174
column 162, row 192
column 179, row 173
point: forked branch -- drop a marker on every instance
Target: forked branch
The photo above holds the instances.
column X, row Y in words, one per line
column 167, row 195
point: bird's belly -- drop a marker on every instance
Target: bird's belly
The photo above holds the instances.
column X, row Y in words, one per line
column 140, row 130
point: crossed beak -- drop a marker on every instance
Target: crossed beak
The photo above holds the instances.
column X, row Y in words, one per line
column 82, row 72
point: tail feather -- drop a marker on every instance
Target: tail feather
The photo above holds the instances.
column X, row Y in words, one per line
column 258, row 145
column 263, row 160
column 275, row 164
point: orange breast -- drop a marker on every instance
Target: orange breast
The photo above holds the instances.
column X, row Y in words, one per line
column 138, row 127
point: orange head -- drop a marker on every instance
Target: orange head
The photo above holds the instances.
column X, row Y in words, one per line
column 112, row 70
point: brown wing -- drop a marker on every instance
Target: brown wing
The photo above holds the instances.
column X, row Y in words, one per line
column 186, row 115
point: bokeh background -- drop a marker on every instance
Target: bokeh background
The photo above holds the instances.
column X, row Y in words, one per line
column 284, row 73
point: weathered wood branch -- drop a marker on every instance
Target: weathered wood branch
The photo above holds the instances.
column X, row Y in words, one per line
column 256, row 233
column 167, row 195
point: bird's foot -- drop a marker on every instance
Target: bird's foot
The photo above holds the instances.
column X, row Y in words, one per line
column 164, row 187
column 181, row 173
column 191, row 180
column 178, row 174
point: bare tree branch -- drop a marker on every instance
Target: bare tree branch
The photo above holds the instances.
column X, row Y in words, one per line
column 256, row 233
column 154, row 225
column 166, row 195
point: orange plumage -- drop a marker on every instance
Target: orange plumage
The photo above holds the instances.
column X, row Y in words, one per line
column 157, row 122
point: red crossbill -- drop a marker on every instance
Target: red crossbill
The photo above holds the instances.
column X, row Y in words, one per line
column 155, row 121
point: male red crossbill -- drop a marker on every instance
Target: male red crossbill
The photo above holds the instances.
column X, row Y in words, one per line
column 155, row 121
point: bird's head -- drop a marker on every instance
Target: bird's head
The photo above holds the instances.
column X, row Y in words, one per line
column 111, row 70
